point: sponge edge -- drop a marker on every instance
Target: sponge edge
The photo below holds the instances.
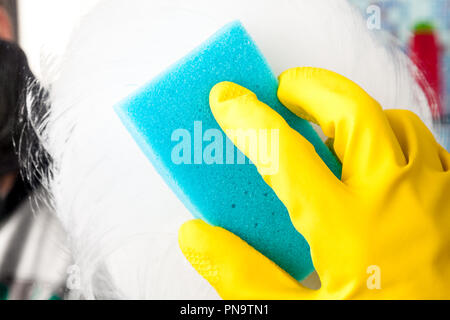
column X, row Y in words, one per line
column 175, row 105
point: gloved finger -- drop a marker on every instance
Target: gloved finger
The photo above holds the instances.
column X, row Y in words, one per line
column 363, row 138
column 300, row 177
column 235, row 269
column 416, row 140
column 444, row 155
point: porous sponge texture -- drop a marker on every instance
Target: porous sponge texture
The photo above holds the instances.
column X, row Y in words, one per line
column 232, row 196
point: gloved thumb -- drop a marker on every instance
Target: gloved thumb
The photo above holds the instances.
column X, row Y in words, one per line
column 235, row 269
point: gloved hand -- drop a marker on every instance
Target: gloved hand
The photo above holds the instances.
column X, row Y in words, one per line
column 381, row 232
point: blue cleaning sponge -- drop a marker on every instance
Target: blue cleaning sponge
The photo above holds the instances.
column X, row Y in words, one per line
column 170, row 119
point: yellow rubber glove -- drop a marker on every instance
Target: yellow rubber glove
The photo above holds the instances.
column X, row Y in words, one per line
column 382, row 232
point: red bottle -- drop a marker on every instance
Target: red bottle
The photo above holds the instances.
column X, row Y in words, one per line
column 425, row 52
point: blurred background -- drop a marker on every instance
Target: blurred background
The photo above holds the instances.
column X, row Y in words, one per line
column 422, row 28
column 34, row 261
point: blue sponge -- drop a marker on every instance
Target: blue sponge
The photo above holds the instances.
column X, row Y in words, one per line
column 175, row 105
